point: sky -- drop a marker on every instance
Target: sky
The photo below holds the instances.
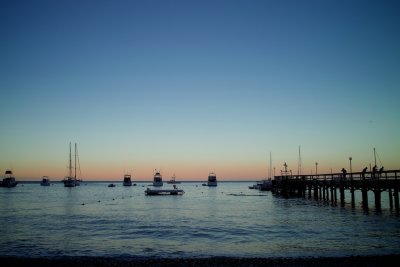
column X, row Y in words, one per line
column 189, row 87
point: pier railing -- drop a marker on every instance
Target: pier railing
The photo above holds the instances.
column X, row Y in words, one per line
column 382, row 175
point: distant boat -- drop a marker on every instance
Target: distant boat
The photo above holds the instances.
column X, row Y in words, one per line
column 8, row 180
column 111, row 185
column 45, row 181
column 254, row 186
column 157, row 179
column 71, row 180
column 265, row 185
column 212, row 179
column 173, row 181
column 127, row 180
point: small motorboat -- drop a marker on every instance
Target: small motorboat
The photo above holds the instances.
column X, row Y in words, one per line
column 157, row 179
column 9, row 180
column 111, row 185
column 212, row 179
column 127, row 180
column 45, row 181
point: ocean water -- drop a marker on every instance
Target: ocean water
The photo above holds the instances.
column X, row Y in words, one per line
column 229, row 220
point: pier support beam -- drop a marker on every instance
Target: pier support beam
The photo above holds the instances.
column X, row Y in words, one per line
column 390, row 199
column 315, row 191
column 377, row 193
column 353, row 201
column 364, row 193
column 335, row 195
column 327, row 192
column 341, row 191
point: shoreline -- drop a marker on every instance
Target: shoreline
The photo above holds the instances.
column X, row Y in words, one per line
column 377, row 260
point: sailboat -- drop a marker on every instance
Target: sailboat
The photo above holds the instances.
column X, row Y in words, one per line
column 173, row 181
column 71, row 180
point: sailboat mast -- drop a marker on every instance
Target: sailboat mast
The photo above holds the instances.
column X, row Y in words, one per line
column 375, row 156
column 299, row 163
column 270, row 165
column 75, row 163
column 70, row 161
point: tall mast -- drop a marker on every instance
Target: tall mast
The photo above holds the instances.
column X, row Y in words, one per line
column 70, row 161
column 299, row 163
column 75, row 162
column 270, row 165
column 375, row 156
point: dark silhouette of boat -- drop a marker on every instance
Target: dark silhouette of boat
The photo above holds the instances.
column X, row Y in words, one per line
column 8, row 180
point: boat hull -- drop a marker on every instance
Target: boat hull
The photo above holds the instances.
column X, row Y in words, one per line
column 8, row 182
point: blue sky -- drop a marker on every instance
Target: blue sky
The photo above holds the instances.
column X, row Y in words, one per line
column 193, row 86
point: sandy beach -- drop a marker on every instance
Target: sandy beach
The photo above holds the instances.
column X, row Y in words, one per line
column 387, row 260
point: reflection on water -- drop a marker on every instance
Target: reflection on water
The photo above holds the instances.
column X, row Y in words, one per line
column 96, row 220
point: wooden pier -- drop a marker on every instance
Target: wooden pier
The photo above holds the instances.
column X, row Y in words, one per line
column 327, row 186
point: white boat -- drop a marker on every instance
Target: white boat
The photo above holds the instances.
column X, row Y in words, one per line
column 212, row 179
column 173, row 180
column 127, row 180
column 157, row 179
column 8, row 180
column 71, row 180
column 45, row 181
column 157, row 192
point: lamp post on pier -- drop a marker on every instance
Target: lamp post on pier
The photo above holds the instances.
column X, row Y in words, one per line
column 316, row 169
column 351, row 170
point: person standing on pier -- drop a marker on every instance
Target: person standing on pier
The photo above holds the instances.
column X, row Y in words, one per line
column 344, row 173
column 374, row 171
column 363, row 172
column 380, row 171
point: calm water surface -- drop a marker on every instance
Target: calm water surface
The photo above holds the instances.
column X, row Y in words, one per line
column 51, row 221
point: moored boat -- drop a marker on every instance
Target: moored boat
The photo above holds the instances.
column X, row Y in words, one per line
column 8, row 180
column 127, row 180
column 158, row 192
column 212, row 179
column 45, row 181
column 157, row 179
column 266, row 185
column 173, row 180
column 71, row 180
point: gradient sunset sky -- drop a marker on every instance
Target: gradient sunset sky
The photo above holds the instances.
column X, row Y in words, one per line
column 190, row 87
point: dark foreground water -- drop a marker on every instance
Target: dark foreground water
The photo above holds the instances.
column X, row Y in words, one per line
column 51, row 221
